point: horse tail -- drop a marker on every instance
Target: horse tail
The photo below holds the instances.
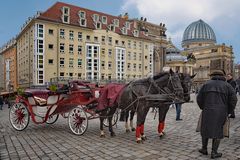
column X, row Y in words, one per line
column 122, row 116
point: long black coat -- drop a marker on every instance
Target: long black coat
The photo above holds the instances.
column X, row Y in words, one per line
column 216, row 98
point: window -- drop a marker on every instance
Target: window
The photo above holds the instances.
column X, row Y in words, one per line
column 83, row 22
column 61, row 62
column 103, row 39
column 71, row 48
column 140, row 67
column 129, row 44
column 82, row 15
column 40, row 30
column 95, row 17
column 116, row 22
column 129, row 66
column 62, row 33
column 50, row 31
column 135, row 33
column 134, row 56
column 88, row 38
column 140, row 56
column 129, row 55
column 123, row 43
column 134, row 44
column 70, row 74
column 79, row 75
column 98, row 25
column 134, row 67
column 71, row 35
column 70, row 62
column 79, row 49
column 111, row 27
column 140, row 45
column 65, row 15
column 146, row 46
column 61, row 74
column 79, row 36
column 62, row 47
column 50, row 61
column 146, row 57
column 103, row 64
column 95, row 39
column 79, row 63
column 109, row 65
column 40, row 46
column 104, row 19
column 127, row 25
column 109, row 52
column 116, row 42
column 110, row 40
column 50, row 46
column 103, row 52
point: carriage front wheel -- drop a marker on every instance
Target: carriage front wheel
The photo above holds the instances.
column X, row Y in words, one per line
column 78, row 121
column 19, row 116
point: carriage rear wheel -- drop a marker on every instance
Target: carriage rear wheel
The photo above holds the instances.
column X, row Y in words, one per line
column 19, row 116
column 52, row 119
column 114, row 120
column 78, row 121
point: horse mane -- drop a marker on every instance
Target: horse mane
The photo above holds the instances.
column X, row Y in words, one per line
column 159, row 75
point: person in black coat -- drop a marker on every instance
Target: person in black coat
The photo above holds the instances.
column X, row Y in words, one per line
column 233, row 83
column 1, row 102
column 216, row 99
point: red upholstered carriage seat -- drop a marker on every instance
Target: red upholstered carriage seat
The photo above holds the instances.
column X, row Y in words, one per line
column 40, row 96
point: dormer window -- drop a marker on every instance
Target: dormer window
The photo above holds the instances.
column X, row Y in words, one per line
column 124, row 30
column 135, row 33
column 82, row 18
column 116, row 22
column 95, row 17
column 127, row 25
column 83, row 22
column 104, row 19
column 65, row 15
column 111, row 27
column 98, row 25
column 82, row 15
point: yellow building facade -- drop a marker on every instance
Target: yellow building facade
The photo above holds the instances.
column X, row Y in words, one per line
column 69, row 41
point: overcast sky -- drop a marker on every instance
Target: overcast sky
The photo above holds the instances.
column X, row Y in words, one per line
column 221, row 15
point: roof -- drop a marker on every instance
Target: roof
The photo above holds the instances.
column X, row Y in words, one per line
column 54, row 14
column 197, row 32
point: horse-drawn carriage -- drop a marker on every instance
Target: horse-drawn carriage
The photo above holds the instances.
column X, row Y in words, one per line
column 77, row 102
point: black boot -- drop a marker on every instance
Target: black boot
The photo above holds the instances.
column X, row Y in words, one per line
column 215, row 145
column 204, row 146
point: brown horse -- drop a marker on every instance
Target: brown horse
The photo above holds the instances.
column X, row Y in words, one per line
column 136, row 96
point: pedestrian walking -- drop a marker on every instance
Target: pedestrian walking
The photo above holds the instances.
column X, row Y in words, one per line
column 233, row 83
column 1, row 102
column 216, row 99
column 178, row 111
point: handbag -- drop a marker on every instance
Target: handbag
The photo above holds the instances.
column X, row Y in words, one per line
column 226, row 126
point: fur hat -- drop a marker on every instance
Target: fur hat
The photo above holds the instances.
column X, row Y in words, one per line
column 217, row 73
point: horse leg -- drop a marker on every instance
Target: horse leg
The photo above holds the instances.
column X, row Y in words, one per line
column 162, row 112
column 110, row 116
column 141, row 116
column 126, row 121
column 102, row 134
column 131, row 120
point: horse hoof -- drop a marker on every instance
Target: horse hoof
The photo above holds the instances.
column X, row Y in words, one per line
column 144, row 138
column 112, row 134
column 139, row 141
column 102, row 135
column 161, row 135
column 127, row 131
column 133, row 129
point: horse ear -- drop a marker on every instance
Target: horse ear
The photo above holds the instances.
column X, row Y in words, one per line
column 171, row 71
column 193, row 76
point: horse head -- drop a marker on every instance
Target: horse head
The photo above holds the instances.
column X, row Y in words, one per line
column 186, row 81
column 170, row 83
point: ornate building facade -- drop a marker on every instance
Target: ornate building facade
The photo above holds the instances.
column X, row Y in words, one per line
column 199, row 40
column 70, row 41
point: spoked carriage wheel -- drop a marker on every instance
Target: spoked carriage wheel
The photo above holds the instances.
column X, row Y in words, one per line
column 52, row 119
column 114, row 120
column 78, row 121
column 19, row 116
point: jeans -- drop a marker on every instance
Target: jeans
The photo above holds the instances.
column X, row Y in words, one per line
column 178, row 110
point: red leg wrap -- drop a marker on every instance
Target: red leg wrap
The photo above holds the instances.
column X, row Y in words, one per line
column 142, row 129
column 138, row 131
column 161, row 126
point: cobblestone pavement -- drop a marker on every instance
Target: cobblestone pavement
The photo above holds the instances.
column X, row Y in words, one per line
column 57, row 142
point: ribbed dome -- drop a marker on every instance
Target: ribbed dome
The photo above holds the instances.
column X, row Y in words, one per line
column 198, row 31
